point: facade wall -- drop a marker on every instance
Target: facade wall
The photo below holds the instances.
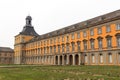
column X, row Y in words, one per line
column 6, row 57
column 41, row 49
column 19, row 47
column 95, row 45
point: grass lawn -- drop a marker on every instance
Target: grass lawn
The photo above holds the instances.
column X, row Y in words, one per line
column 60, row 73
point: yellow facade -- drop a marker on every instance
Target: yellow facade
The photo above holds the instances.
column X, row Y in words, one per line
column 92, row 42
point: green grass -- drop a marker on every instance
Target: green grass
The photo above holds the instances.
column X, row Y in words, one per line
column 60, row 73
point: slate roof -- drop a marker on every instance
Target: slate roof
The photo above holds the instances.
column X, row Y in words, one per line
column 6, row 49
column 81, row 25
column 28, row 30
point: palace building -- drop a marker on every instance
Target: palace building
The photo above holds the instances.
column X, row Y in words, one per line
column 6, row 55
column 92, row 42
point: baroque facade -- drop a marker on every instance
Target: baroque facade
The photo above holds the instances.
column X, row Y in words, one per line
column 92, row 42
column 6, row 55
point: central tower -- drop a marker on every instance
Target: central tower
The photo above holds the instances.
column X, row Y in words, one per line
column 25, row 35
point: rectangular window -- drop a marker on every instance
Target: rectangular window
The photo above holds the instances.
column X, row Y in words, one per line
column 101, row 58
column 54, row 40
column 86, row 60
column 47, row 41
column 109, row 43
column 38, row 50
column 44, row 50
column 85, row 45
column 78, row 44
column 108, row 29
column 93, row 58
column 67, row 38
column 92, row 32
column 72, row 35
column 58, row 48
column 47, row 49
column 117, row 26
column 50, row 41
column 54, row 49
column 118, row 41
column 62, row 38
column 99, row 31
column 100, row 43
column 58, row 39
column 84, row 34
column 50, row 49
column 110, row 58
column 92, row 44
column 67, row 47
column 73, row 46
column 63, row 49
column 44, row 42
column 78, row 35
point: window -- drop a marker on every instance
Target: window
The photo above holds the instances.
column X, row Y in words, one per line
column 86, row 59
column 47, row 49
column 23, row 39
column 67, row 38
column 44, row 50
column 99, row 42
column 118, row 41
column 84, row 34
column 44, row 43
column 108, row 29
column 101, row 58
column 58, row 39
column 38, row 50
column 72, row 35
column 93, row 58
column 110, row 57
column 50, row 41
column 50, row 49
column 58, row 48
column 119, row 58
column 54, row 40
column 99, row 31
column 62, row 48
column 78, row 35
column 85, row 44
column 73, row 46
column 117, row 26
column 109, row 42
column 92, row 43
column 54, row 49
column 62, row 38
column 78, row 46
column 67, row 47
column 47, row 41
column 92, row 32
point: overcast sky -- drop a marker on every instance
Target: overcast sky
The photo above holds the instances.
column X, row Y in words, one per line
column 48, row 15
